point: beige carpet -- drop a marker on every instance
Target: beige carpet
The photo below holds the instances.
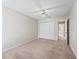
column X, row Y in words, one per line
column 41, row 49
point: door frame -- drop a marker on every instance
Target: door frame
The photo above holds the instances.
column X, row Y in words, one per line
column 68, row 32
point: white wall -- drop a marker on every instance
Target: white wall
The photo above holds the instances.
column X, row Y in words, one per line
column 17, row 28
column 49, row 28
column 73, row 29
column 46, row 29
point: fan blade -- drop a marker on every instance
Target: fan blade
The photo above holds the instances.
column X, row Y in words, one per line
column 59, row 6
column 37, row 11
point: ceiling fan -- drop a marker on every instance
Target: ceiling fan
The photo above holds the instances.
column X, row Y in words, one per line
column 44, row 12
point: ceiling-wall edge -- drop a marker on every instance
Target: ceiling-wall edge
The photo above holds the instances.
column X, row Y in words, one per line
column 19, row 12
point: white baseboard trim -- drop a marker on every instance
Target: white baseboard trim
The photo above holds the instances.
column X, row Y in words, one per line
column 5, row 50
column 48, row 39
column 73, row 51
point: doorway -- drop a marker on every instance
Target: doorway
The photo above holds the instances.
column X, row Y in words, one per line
column 61, row 30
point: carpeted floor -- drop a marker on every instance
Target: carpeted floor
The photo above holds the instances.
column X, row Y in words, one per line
column 41, row 49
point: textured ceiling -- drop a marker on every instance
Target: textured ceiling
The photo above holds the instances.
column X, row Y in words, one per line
column 56, row 8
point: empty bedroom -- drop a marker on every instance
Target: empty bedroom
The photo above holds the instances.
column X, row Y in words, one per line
column 39, row 29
